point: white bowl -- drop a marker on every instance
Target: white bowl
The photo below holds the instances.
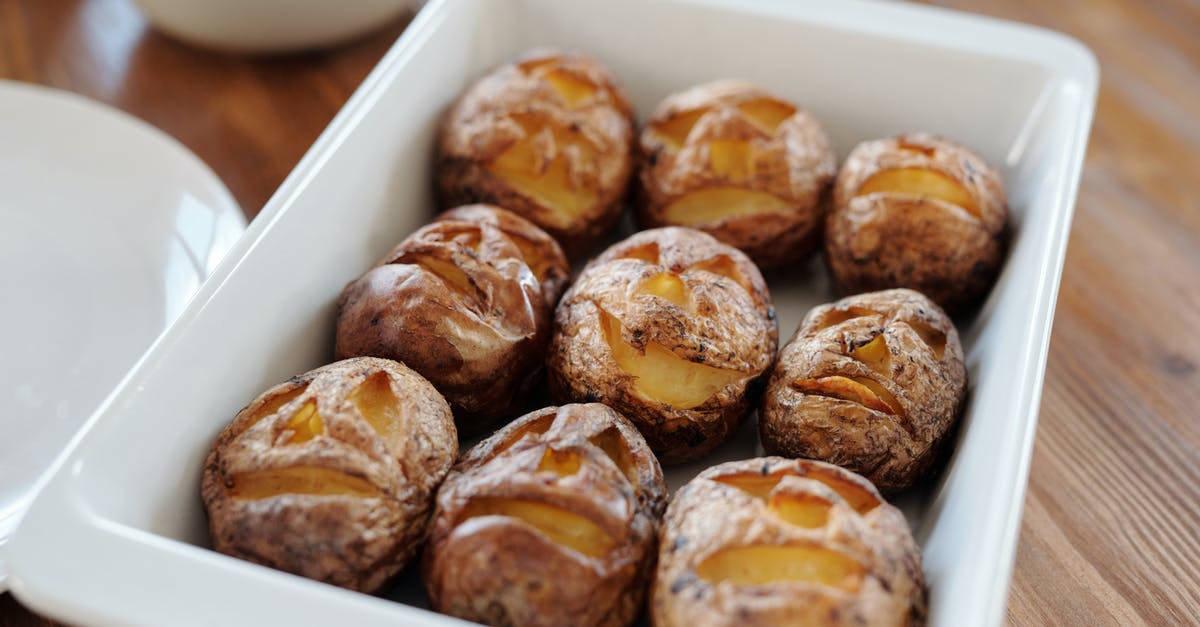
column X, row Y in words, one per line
column 269, row 25
column 107, row 228
column 132, row 524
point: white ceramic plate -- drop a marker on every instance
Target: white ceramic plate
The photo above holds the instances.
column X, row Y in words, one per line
column 107, row 228
column 132, row 525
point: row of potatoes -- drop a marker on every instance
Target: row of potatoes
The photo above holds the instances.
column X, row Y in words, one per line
column 659, row 350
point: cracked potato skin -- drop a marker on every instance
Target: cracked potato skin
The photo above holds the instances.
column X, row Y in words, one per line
column 891, row 446
column 504, row 570
column 467, row 302
column 882, row 239
column 793, row 162
column 729, row 325
column 515, row 105
column 711, row 516
column 358, row 521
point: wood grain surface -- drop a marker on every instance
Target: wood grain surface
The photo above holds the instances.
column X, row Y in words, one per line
column 1111, row 528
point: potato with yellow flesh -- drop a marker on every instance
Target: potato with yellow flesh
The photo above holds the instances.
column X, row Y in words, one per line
column 774, row 541
column 917, row 211
column 673, row 329
column 331, row 475
column 551, row 521
column 735, row 161
column 873, row 382
column 548, row 136
column 467, row 302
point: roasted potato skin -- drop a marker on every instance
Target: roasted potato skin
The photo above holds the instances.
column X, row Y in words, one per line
column 731, row 326
column 881, row 240
column 356, row 541
column 794, row 162
column 894, row 447
column 493, row 116
column 479, row 337
column 709, row 516
column 503, row 570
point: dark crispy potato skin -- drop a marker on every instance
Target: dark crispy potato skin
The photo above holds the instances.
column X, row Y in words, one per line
column 881, row 240
column 478, row 331
column 503, row 570
column 730, row 325
column 516, row 104
column 709, row 516
column 894, row 449
column 794, row 162
column 357, row 538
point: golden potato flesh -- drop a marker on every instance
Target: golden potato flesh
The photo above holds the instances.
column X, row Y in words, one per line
column 331, row 475
column 467, row 302
column 733, row 160
column 549, row 137
column 921, row 212
column 873, row 383
column 771, row 541
column 672, row 328
column 551, row 521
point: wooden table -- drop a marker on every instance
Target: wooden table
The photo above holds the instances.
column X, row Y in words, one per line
column 1111, row 530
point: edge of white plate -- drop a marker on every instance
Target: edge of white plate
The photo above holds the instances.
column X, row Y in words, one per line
column 225, row 204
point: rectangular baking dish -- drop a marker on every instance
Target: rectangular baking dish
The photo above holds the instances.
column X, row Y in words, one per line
column 117, row 534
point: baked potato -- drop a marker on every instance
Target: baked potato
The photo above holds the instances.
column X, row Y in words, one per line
column 917, row 211
column 551, row 521
column 873, row 383
column 733, row 160
column 331, row 474
column 671, row 328
column 548, row 136
column 771, row 541
column 467, row 302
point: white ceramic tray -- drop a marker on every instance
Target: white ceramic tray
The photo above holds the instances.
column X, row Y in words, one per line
column 117, row 534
